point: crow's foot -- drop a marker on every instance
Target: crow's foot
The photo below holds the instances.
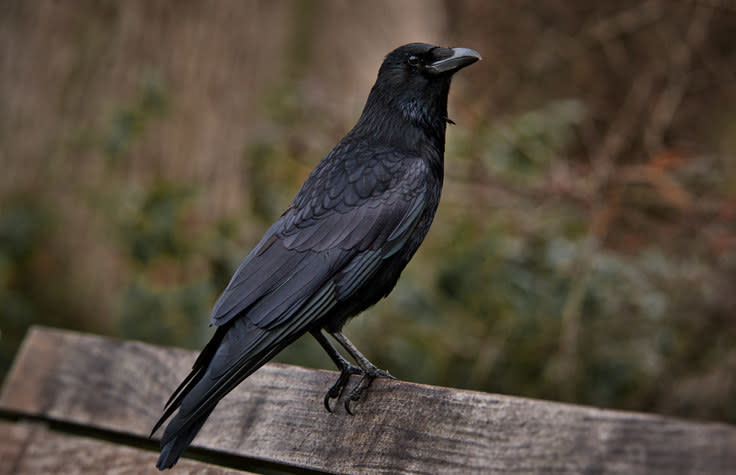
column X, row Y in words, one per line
column 365, row 368
column 337, row 389
column 369, row 374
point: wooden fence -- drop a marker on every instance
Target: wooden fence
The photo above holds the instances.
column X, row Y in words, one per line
column 76, row 403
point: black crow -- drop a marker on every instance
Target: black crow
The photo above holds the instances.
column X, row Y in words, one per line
column 338, row 248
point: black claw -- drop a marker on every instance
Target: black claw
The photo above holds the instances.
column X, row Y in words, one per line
column 347, row 407
column 327, row 403
column 337, row 389
column 346, row 370
column 364, row 383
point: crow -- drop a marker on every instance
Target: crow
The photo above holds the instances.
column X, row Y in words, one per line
column 339, row 247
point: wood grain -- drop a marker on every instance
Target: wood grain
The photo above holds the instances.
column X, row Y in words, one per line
column 277, row 415
column 35, row 450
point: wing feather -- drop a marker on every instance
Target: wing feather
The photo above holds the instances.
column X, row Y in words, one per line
column 302, row 251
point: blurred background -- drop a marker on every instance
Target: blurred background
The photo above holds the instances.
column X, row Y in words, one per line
column 585, row 246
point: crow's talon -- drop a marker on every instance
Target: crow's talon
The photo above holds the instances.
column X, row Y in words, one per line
column 364, row 383
column 347, row 407
column 337, row 389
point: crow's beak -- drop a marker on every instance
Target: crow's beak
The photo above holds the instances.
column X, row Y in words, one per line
column 460, row 58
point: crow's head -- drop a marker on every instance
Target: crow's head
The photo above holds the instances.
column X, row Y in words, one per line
column 421, row 63
column 414, row 80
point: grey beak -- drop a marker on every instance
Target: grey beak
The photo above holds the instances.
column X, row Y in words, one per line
column 460, row 58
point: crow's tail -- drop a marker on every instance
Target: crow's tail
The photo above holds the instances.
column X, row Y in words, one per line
column 236, row 350
column 173, row 449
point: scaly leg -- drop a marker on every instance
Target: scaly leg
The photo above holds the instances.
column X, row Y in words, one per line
column 368, row 369
column 346, row 369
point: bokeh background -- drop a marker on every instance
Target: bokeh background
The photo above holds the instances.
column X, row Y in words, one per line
column 585, row 246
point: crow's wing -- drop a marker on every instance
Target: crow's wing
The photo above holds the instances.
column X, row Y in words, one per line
column 343, row 212
column 328, row 244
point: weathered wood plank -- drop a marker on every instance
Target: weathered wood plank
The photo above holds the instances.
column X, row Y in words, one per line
column 13, row 440
column 277, row 415
column 35, row 450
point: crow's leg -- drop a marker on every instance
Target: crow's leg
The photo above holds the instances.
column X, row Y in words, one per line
column 368, row 369
column 346, row 369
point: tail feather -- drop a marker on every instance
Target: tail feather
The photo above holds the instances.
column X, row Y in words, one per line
column 236, row 350
column 198, row 370
column 173, row 449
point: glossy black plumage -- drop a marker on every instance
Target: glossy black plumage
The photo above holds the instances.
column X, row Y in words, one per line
column 339, row 247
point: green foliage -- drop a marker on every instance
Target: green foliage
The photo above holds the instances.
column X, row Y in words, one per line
column 159, row 301
column 270, row 179
column 283, row 104
column 128, row 121
column 24, row 225
column 152, row 225
column 155, row 236
column 521, row 148
column 165, row 315
column 492, row 320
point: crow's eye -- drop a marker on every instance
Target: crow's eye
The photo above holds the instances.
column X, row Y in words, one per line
column 413, row 60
